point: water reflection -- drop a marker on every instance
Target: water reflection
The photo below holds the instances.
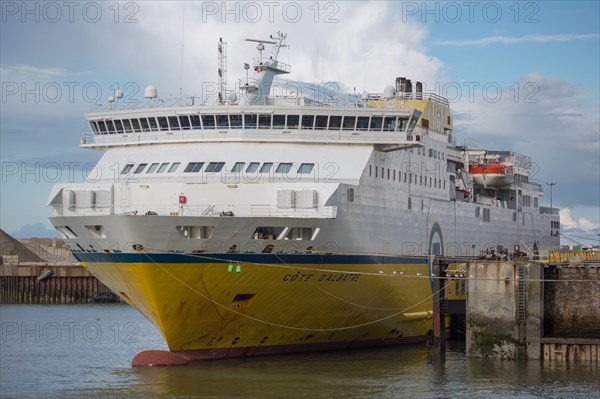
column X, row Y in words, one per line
column 99, row 368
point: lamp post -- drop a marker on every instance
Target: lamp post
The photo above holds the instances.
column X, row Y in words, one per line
column 552, row 184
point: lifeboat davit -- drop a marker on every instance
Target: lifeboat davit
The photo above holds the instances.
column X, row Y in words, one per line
column 493, row 174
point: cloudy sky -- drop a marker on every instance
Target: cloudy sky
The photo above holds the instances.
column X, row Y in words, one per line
column 521, row 76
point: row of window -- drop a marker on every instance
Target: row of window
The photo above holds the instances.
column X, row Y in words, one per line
column 408, row 177
column 432, row 153
column 527, row 201
column 216, row 167
column 154, row 168
column 250, row 121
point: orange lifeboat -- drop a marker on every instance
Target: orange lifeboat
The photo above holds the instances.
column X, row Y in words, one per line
column 492, row 174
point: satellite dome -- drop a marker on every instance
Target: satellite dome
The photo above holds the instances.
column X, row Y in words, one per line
column 389, row 92
column 150, row 92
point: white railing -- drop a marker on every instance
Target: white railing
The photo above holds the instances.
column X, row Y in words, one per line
column 283, row 135
column 324, row 212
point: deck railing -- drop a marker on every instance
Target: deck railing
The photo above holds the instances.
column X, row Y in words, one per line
column 323, row 212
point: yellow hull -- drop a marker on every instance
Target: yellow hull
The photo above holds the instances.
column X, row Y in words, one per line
column 224, row 309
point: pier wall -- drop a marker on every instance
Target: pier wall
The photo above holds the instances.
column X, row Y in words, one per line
column 566, row 289
column 50, row 283
column 531, row 310
column 504, row 310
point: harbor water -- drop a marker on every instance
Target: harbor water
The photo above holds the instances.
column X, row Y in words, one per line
column 74, row 351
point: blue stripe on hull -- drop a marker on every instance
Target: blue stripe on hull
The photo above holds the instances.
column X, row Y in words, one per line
column 250, row 258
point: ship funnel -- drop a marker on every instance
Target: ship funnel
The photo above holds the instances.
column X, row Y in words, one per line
column 401, row 85
column 419, row 90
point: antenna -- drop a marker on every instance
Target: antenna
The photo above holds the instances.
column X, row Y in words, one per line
column 222, row 47
column 181, row 66
column 246, row 67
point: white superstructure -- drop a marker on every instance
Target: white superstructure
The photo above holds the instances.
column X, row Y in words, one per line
column 258, row 174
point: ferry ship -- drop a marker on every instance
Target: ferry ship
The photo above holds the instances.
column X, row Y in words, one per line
column 266, row 224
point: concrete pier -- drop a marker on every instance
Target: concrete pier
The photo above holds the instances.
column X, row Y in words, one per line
column 533, row 310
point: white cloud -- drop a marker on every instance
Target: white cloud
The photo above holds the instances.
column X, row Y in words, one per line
column 518, row 40
column 365, row 48
column 569, row 223
column 548, row 119
column 34, row 72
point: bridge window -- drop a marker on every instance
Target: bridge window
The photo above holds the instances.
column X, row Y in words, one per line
column 402, row 123
column 264, row 121
column 94, row 127
column 362, row 123
column 223, row 121
column 278, row 121
column 144, row 125
column 321, row 122
column 127, row 169
column 174, row 123
column 389, row 124
column 208, row 121
column 135, row 124
column 252, row 167
column 266, row 167
column 306, row 168
column 238, row 167
column 153, row 124
column 215, row 167
column 308, row 121
column 184, row 121
column 110, row 127
column 193, row 167
column 152, row 168
column 250, row 121
column 163, row 167
column 102, row 127
column 119, row 126
column 163, row 123
column 195, row 119
column 335, row 122
column 293, row 121
column 283, row 167
column 140, row 168
column 236, row 121
column 376, row 123
column 127, row 126
column 349, row 122
column 174, row 167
